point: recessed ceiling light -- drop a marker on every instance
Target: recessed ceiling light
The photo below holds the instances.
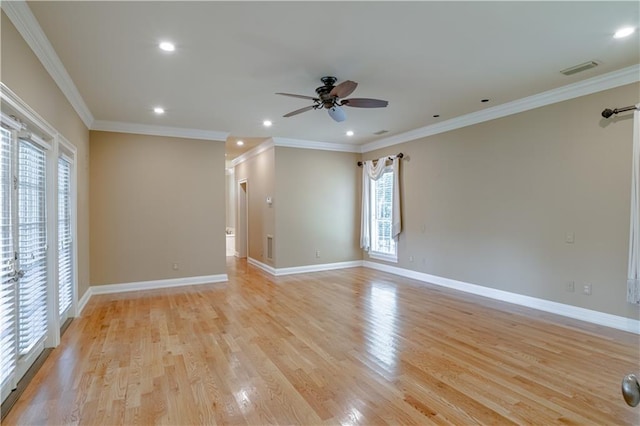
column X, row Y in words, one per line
column 267, row 123
column 624, row 32
column 158, row 110
column 239, row 143
column 349, row 132
column 167, row 46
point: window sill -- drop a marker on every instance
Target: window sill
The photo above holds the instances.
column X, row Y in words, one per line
column 384, row 256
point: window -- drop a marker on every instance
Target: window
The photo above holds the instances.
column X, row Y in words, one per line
column 383, row 245
column 380, row 220
column 65, row 248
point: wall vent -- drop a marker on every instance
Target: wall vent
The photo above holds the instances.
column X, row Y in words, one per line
column 270, row 247
column 579, row 68
column 381, row 132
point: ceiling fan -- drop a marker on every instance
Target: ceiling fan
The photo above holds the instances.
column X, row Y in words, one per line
column 330, row 98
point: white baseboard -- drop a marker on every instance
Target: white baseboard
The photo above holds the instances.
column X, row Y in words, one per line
column 317, row 268
column 156, row 284
column 278, row 272
column 587, row 315
column 268, row 269
column 83, row 301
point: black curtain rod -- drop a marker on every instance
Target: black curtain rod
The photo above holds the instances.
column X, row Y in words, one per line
column 400, row 155
column 609, row 112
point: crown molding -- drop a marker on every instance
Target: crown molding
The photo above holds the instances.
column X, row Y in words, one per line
column 323, row 146
column 153, row 130
column 293, row 143
column 253, row 152
column 582, row 88
column 20, row 15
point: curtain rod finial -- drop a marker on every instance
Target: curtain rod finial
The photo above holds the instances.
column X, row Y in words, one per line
column 608, row 113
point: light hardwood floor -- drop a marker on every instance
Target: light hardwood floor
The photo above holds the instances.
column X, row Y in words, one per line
column 353, row 346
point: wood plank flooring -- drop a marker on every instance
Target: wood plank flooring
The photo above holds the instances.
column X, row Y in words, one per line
column 353, row 346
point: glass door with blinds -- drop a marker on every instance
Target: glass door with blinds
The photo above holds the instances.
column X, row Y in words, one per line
column 24, row 276
column 65, row 242
column 8, row 298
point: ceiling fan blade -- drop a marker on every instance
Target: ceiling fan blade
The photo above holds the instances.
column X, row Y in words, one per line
column 365, row 103
column 298, row 96
column 344, row 89
column 299, row 111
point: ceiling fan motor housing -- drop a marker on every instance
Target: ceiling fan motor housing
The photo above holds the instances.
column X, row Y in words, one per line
column 323, row 92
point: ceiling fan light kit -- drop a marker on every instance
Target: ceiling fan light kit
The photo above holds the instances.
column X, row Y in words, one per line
column 330, row 98
column 337, row 113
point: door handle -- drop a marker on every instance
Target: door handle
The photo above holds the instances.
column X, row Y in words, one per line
column 17, row 274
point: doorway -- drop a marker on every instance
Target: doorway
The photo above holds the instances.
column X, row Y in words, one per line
column 242, row 226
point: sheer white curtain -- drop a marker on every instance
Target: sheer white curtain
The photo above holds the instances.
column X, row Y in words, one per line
column 633, row 279
column 373, row 171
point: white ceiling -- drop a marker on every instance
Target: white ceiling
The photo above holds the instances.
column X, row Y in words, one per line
column 425, row 58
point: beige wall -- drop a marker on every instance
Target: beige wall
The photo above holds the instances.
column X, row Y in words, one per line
column 23, row 73
column 315, row 206
column 317, row 201
column 259, row 172
column 490, row 204
column 156, row 201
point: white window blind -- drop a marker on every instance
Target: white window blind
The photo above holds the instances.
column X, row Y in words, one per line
column 32, row 242
column 382, row 240
column 65, row 256
column 7, row 252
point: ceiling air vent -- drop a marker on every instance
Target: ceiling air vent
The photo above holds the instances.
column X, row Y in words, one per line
column 381, row 132
column 579, row 68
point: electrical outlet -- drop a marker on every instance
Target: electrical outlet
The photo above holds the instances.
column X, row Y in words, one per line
column 317, row 253
column 586, row 289
column 569, row 238
column 570, row 286
column 410, row 258
column 175, row 266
